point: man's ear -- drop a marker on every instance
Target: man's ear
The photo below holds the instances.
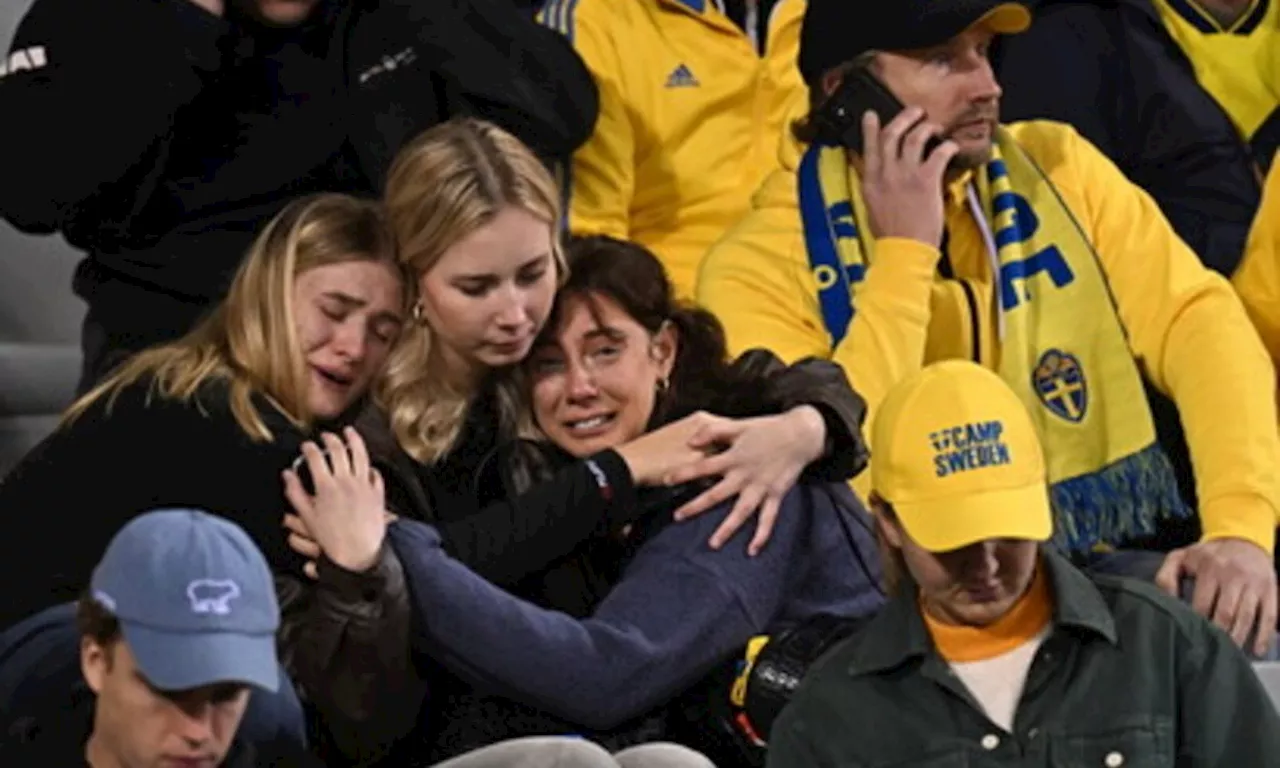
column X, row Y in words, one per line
column 95, row 663
column 886, row 521
column 665, row 347
column 830, row 82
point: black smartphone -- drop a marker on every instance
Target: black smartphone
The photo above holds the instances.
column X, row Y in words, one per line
column 839, row 119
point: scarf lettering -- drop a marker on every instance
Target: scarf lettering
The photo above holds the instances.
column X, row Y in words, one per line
column 1049, row 260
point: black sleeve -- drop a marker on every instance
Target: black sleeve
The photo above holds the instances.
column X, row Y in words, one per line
column 499, row 64
column 512, row 539
column 88, row 114
column 762, row 383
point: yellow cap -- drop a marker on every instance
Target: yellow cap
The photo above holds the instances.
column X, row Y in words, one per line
column 1005, row 19
column 954, row 452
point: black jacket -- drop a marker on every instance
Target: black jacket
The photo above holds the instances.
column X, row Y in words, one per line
column 1111, row 70
column 159, row 138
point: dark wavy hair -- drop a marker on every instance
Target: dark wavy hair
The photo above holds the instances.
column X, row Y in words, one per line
column 631, row 276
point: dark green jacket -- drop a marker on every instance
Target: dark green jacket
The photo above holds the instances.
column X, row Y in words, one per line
column 1128, row 678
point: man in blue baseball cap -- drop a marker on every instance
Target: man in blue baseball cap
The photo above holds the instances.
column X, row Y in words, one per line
column 177, row 629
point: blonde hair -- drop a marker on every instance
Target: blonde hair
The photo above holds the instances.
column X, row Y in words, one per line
column 250, row 340
column 449, row 182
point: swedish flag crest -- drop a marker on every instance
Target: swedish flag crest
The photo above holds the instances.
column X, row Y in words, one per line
column 1059, row 382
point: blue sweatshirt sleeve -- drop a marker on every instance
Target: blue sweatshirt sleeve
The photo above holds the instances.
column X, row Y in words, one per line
column 679, row 609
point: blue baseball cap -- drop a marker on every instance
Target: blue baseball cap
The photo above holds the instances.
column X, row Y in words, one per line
column 195, row 600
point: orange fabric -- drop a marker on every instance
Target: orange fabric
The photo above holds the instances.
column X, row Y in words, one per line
column 1031, row 614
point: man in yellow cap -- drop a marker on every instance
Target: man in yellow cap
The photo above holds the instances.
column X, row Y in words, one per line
column 940, row 234
column 994, row 649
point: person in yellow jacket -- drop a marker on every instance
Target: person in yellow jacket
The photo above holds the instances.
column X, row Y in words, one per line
column 1258, row 278
column 694, row 96
column 1023, row 248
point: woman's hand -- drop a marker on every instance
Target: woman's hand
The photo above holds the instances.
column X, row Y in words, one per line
column 653, row 456
column 346, row 518
column 300, row 541
column 757, row 460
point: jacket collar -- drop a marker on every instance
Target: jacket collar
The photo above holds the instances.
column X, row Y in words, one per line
column 898, row 634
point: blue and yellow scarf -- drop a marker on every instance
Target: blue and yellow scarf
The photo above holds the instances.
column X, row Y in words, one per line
column 1064, row 350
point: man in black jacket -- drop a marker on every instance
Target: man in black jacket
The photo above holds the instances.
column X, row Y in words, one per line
column 158, row 135
column 1112, row 70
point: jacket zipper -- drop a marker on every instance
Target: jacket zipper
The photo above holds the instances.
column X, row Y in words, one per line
column 947, row 272
column 974, row 330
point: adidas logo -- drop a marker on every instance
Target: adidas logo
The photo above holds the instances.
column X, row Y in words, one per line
column 681, row 77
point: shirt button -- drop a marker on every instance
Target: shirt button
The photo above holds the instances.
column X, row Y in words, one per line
column 1114, row 760
column 1034, row 732
column 991, row 741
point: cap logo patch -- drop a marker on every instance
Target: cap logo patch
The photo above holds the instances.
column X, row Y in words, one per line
column 105, row 600
column 212, row 596
column 967, row 447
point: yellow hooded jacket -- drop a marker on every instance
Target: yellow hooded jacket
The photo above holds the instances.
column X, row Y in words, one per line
column 690, row 118
column 1185, row 325
column 1257, row 279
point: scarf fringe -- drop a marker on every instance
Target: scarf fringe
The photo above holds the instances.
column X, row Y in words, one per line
column 1122, row 501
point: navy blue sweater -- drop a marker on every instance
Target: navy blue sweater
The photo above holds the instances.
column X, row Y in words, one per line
column 678, row 610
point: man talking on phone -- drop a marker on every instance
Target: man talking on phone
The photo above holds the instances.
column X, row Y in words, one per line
column 896, row 236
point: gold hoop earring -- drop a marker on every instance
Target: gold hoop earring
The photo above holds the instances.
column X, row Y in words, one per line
column 417, row 312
